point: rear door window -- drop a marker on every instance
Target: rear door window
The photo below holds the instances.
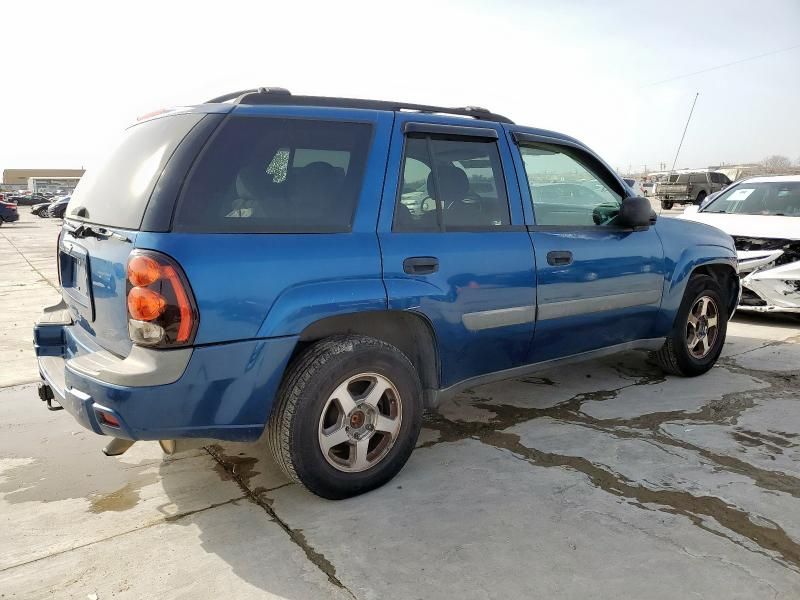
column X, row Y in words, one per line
column 116, row 193
column 451, row 184
column 273, row 175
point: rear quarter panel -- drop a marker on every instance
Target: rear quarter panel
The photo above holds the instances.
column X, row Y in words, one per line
column 259, row 285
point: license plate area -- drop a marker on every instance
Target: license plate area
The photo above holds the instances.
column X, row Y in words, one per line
column 74, row 265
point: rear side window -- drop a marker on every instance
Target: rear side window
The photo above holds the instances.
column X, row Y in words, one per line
column 698, row 178
column 116, row 193
column 272, row 175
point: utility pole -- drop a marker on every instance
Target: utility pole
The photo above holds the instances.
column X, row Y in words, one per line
column 674, row 162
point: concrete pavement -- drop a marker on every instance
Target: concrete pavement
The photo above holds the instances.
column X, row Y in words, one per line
column 600, row 480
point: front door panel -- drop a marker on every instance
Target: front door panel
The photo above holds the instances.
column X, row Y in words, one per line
column 609, row 294
column 599, row 283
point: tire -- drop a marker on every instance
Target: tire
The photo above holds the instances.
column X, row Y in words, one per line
column 700, row 197
column 307, row 406
column 666, row 205
column 675, row 356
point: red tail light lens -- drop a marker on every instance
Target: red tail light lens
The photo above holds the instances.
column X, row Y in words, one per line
column 161, row 307
column 144, row 304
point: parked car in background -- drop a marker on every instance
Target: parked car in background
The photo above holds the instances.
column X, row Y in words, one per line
column 55, row 210
column 763, row 216
column 28, row 199
column 635, row 185
column 690, row 188
column 647, row 188
column 267, row 273
column 8, row 212
column 40, row 210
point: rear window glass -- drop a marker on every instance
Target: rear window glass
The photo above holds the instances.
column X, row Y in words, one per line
column 271, row 175
column 116, row 192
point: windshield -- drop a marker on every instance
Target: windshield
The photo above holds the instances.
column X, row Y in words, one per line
column 116, row 192
column 776, row 198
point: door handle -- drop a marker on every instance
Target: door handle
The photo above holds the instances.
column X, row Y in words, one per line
column 559, row 258
column 421, row 265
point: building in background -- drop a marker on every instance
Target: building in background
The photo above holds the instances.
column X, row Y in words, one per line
column 54, row 185
column 23, row 176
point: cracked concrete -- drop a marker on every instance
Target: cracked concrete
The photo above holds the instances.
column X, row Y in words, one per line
column 605, row 479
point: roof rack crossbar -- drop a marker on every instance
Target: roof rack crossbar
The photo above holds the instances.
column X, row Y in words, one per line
column 281, row 96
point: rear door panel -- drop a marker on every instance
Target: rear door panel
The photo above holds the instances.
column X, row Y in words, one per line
column 481, row 300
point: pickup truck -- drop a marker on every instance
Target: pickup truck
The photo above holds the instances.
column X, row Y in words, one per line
column 690, row 188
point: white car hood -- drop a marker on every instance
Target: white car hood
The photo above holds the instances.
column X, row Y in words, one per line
column 757, row 226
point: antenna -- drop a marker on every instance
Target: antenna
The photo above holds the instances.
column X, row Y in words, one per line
column 674, row 162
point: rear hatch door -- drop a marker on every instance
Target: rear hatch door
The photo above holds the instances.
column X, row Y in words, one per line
column 101, row 224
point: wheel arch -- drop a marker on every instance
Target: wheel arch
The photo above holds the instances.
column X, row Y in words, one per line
column 726, row 277
column 708, row 259
column 409, row 331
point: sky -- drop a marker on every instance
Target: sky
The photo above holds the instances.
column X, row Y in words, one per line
column 77, row 73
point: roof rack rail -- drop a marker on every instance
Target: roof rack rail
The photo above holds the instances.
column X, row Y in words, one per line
column 282, row 96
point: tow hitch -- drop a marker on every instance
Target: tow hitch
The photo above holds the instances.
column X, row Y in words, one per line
column 46, row 395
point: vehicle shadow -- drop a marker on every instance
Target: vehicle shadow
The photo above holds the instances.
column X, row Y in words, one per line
column 260, row 549
column 625, row 396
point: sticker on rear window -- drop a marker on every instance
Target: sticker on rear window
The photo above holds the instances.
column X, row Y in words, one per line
column 741, row 194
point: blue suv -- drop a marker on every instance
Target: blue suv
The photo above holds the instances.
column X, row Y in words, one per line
column 321, row 270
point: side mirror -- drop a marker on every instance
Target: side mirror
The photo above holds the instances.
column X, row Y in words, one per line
column 636, row 212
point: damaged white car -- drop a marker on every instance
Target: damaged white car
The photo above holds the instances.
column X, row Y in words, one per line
column 762, row 214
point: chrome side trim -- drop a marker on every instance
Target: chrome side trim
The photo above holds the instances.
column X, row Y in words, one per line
column 501, row 317
column 582, row 306
column 437, row 396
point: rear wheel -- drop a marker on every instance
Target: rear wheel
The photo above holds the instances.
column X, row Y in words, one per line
column 347, row 416
column 700, row 197
column 666, row 204
column 698, row 334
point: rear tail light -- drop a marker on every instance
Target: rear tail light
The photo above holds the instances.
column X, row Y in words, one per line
column 161, row 307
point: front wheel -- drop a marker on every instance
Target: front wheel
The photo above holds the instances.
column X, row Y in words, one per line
column 698, row 334
column 347, row 417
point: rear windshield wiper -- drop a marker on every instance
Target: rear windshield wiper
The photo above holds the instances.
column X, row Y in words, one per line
column 82, row 231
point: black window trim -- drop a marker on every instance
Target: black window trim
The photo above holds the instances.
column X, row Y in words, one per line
column 428, row 131
column 595, row 164
column 174, row 226
column 450, row 130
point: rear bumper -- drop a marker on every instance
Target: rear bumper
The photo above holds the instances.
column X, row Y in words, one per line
column 222, row 392
column 10, row 217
